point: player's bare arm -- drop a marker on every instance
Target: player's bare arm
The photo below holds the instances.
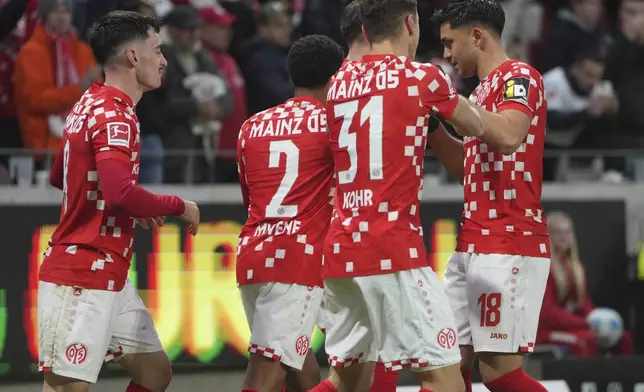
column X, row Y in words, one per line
column 466, row 119
column 504, row 131
column 448, row 150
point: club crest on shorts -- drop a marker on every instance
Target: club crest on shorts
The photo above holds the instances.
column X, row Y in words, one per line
column 302, row 345
column 76, row 353
column 446, row 338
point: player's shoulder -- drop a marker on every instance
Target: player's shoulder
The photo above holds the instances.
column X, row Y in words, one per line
column 520, row 69
column 104, row 107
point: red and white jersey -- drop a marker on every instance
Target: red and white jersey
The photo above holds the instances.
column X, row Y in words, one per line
column 503, row 212
column 92, row 245
column 286, row 165
column 378, row 113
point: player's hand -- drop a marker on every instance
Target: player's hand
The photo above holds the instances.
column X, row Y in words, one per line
column 151, row 223
column 209, row 110
column 596, row 107
column 192, row 216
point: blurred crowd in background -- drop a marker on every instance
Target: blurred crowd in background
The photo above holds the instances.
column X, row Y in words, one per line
column 227, row 60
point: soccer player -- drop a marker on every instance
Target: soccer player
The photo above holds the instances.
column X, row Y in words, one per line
column 351, row 30
column 383, row 301
column 86, row 305
column 286, row 173
column 497, row 277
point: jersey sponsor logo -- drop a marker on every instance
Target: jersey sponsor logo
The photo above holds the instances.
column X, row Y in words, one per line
column 446, row 338
column 498, row 336
column 302, row 345
column 516, row 89
column 76, row 353
column 118, row 134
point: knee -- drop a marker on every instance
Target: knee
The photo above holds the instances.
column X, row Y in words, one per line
column 164, row 373
column 495, row 366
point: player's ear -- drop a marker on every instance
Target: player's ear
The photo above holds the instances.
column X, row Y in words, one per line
column 131, row 56
column 477, row 35
column 364, row 34
column 410, row 24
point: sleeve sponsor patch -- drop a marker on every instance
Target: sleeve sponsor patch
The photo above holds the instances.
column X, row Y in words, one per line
column 118, row 134
column 516, row 89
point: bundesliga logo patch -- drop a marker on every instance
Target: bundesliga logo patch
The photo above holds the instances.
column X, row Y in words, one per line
column 517, row 89
column 118, row 134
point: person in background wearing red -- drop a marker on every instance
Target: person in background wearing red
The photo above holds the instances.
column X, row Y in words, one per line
column 566, row 303
column 52, row 70
column 216, row 36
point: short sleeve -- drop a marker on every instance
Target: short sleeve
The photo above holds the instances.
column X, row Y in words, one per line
column 522, row 89
column 114, row 139
column 436, row 91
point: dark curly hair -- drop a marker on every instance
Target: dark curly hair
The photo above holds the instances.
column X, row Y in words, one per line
column 381, row 19
column 461, row 13
column 313, row 59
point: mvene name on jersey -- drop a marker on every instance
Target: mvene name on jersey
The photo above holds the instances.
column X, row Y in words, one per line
column 342, row 89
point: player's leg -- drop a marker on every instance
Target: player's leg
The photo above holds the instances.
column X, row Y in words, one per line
column 281, row 318
column 307, row 378
column 419, row 331
column 505, row 293
column 74, row 330
column 383, row 380
column 135, row 345
column 349, row 338
column 456, row 290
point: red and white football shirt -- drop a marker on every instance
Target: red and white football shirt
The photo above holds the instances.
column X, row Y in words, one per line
column 378, row 114
column 286, row 166
column 92, row 246
column 503, row 212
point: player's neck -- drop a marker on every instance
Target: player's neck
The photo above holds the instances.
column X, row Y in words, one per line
column 125, row 84
column 389, row 47
column 357, row 50
column 491, row 60
column 318, row 94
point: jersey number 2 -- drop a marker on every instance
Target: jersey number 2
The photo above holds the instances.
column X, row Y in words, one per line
column 275, row 209
column 372, row 112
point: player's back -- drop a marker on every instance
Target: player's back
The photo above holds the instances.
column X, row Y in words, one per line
column 91, row 247
column 287, row 167
column 378, row 120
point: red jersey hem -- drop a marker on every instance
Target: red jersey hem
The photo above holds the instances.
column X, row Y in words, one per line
column 56, row 279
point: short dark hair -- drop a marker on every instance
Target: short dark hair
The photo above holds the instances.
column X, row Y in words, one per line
column 350, row 23
column 593, row 54
column 269, row 12
column 460, row 13
column 381, row 18
column 116, row 29
column 313, row 60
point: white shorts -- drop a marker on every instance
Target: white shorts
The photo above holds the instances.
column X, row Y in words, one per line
column 281, row 318
column 496, row 299
column 77, row 327
column 402, row 319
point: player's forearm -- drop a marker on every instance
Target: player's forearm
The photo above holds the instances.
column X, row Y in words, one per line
column 449, row 152
column 120, row 194
column 500, row 133
column 466, row 119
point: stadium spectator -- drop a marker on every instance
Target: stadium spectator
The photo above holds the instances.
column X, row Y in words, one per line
column 264, row 58
column 625, row 69
column 567, row 303
column 11, row 38
column 216, row 36
column 578, row 101
column 52, row 71
column 195, row 95
column 574, row 30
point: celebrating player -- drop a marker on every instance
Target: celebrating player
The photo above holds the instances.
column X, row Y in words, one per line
column 497, row 277
column 286, row 172
column 383, row 301
column 86, row 306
